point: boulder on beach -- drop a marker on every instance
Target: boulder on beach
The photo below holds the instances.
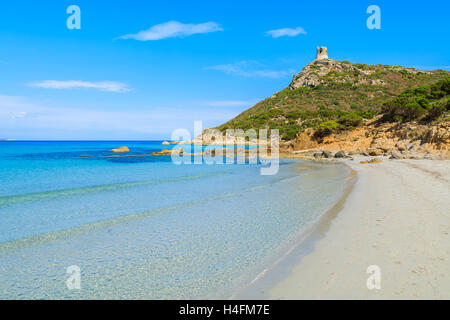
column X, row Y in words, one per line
column 375, row 160
column 375, row 152
column 396, row 155
column 121, row 150
column 340, row 154
column 318, row 155
column 327, row 154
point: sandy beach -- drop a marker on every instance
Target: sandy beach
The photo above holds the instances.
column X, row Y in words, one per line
column 397, row 217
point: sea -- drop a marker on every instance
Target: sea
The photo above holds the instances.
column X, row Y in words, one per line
column 79, row 222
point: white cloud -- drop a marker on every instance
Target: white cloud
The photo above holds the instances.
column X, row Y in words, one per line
column 109, row 86
column 286, row 32
column 247, row 69
column 173, row 29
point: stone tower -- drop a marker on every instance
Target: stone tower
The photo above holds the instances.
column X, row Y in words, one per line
column 321, row 53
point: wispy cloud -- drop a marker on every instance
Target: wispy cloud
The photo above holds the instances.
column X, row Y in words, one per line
column 286, row 32
column 173, row 29
column 109, row 86
column 16, row 115
column 12, row 107
column 251, row 69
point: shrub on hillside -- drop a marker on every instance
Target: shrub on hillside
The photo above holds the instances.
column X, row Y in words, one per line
column 327, row 128
column 294, row 114
column 350, row 120
column 435, row 111
column 427, row 102
column 290, row 131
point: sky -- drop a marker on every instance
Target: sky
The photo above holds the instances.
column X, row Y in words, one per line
column 138, row 70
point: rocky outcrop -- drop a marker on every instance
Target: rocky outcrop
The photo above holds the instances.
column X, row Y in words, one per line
column 325, row 70
column 340, row 154
column 215, row 137
column 167, row 152
column 318, row 154
column 397, row 155
column 371, row 161
column 396, row 140
column 165, row 143
column 327, row 154
column 121, row 150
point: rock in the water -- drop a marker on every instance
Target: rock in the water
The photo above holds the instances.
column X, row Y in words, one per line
column 165, row 143
column 121, row 150
column 340, row 154
column 167, row 152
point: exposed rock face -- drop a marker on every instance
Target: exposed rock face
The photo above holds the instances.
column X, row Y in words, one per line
column 396, row 155
column 121, row 150
column 216, row 137
column 324, row 70
column 165, row 143
column 399, row 140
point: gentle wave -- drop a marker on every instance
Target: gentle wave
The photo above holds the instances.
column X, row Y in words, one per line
column 51, row 236
column 36, row 196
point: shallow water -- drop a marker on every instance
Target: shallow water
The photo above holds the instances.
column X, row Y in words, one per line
column 142, row 227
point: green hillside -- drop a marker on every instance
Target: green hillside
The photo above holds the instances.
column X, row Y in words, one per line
column 425, row 103
column 330, row 95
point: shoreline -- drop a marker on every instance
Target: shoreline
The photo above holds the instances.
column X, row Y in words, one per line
column 277, row 270
column 396, row 217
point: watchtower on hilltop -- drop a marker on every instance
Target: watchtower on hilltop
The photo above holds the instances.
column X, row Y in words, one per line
column 322, row 53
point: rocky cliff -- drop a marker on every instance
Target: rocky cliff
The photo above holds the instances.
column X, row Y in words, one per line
column 375, row 138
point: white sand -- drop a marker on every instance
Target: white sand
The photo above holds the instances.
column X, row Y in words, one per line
column 398, row 218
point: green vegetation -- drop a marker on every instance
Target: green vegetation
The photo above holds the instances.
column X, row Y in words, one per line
column 425, row 103
column 346, row 97
column 350, row 120
column 327, row 127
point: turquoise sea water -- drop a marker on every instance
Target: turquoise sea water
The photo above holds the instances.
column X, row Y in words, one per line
column 142, row 227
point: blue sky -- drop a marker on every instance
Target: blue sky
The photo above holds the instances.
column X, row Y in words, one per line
column 141, row 69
